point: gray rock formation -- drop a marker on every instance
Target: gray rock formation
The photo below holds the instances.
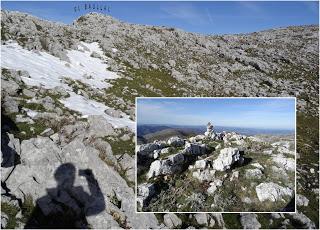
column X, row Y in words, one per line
column 226, row 158
column 171, row 220
column 249, row 221
column 195, row 149
column 272, row 191
column 176, row 142
column 167, row 166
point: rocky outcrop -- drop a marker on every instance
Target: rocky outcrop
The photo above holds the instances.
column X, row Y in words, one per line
column 172, row 220
column 272, row 192
column 195, row 149
column 45, row 165
column 226, row 158
column 249, row 221
column 176, row 142
column 167, row 166
column 144, row 193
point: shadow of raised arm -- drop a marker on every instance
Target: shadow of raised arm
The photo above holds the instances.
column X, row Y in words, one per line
column 96, row 196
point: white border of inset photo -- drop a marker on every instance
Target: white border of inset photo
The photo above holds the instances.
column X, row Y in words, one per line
column 195, row 98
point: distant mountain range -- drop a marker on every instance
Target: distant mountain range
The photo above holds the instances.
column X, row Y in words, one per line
column 150, row 132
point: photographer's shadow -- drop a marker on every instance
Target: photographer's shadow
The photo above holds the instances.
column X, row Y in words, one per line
column 67, row 206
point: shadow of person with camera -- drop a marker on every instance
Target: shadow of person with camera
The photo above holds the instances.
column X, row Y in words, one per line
column 67, row 206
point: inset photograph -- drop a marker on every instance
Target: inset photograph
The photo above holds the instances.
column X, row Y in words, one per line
column 215, row 154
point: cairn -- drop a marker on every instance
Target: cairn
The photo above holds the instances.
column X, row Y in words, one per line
column 210, row 132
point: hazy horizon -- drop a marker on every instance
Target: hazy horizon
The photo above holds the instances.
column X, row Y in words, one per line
column 260, row 113
column 219, row 126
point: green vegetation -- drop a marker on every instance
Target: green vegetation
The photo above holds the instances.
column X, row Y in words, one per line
column 307, row 137
column 27, row 208
column 145, row 82
column 232, row 221
column 120, row 146
column 11, row 211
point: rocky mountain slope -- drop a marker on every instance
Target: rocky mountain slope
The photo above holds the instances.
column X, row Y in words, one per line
column 217, row 172
column 68, row 94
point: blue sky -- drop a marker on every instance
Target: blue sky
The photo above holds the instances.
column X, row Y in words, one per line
column 200, row 17
column 241, row 112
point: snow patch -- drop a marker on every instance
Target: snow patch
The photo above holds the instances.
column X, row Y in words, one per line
column 89, row 107
column 48, row 71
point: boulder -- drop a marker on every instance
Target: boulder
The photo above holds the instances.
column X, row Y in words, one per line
column 195, row 149
column 200, row 164
column 226, row 158
column 175, row 142
column 249, row 221
column 257, row 165
column 284, row 162
column 146, row 150
column 60, row 91
column 302, row 200
column 127, row 164
column 219, row 219
column 196, row 138
column 4, row 220
column 214, row 186
column 171, row 220
column 201, row 218
column 170, row 165
column 284, row 150
column 144, row 192
column 303, row 220
column 234, row 175
column 47, row 132
column 272, row 192
column 99, row 127
column 146, row 189
column 47, row 102
column 10, row 105
column 253, row 173
column 267, row 152
column 204, row 175
column 113, row 113
column 10, row 87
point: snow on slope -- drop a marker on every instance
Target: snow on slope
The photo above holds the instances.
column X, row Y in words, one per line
column 79, row 103
column 48, row 72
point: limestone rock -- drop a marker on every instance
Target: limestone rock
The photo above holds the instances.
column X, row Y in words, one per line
column 99, row 127
column 171, row 220
column 226, row 158
column 145, row 192
column 303, row 220
column 253, row 173
column 201, row 218
column 176, row 142
column 272, row 191
column 195, row 149
column 214, row 186
column 4, row 220
column 40, row 159
column 284, row 162
column 166, row 166
column 249, row 221
column 302, row 200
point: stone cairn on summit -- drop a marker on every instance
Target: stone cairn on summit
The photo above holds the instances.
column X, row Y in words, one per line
column 210, row 132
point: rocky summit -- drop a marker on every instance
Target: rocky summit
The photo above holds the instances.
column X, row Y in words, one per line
column 67, row 127
column 217, row 172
